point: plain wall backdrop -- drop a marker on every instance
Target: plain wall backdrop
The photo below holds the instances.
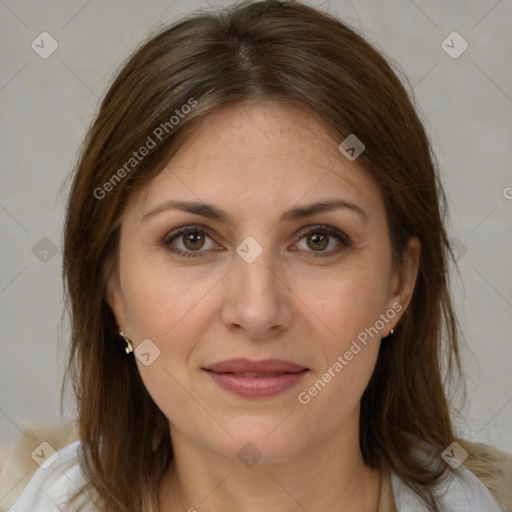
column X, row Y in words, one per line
column 463, row 95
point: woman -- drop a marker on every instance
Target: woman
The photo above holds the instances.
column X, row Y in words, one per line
column 256, row 265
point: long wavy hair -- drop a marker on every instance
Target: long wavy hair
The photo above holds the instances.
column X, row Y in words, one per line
column 252, row 51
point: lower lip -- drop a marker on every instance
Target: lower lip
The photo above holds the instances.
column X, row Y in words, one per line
column 256, row 386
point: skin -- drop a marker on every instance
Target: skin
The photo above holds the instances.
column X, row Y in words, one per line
column 255, row 161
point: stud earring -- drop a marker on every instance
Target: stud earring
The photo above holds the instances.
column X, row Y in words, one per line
column 388, row 337
column 128, row 344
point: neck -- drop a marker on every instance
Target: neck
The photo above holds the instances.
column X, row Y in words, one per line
column 329, row 477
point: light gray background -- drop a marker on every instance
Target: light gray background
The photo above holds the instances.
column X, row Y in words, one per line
column 47, row 104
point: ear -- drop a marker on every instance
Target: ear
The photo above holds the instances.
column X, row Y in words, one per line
column 404, row 277
column 114, row 298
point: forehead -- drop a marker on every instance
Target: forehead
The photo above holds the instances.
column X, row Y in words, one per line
column 266, row 154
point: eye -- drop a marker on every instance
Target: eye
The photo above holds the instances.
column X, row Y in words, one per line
column 319, row 238
column 193, row 239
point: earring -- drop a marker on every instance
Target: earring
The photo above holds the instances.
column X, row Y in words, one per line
column 128, row 344
column 388, row 337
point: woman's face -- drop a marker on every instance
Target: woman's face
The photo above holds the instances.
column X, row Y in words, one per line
column 269, row 278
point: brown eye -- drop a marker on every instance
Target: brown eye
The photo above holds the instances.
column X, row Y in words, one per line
column 318, row 239
column 188, row 241
column 193, row 240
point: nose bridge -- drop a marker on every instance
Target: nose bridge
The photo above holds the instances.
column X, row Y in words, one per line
column 256, row 299
column 253, row 268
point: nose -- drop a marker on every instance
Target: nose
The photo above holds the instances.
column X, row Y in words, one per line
column 257, row 298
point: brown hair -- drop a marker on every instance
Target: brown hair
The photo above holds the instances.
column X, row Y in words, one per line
column 255, row 51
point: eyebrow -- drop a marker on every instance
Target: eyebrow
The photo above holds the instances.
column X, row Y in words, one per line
column 213, row 212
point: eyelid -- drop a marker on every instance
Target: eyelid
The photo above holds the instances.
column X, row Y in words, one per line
column 342, row 237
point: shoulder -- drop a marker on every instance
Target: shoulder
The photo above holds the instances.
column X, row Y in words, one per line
column 53, row 483
column 493, row 467
column 480, row 482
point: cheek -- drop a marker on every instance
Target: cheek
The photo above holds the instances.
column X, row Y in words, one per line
column 160, row 301
column 352, row 307
column 171, row 311
column 349, row 354
column 349, row 302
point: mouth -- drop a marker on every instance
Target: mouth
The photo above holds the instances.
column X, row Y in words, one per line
column 253, row 379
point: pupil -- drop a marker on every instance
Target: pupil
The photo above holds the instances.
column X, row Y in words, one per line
column 193, row 239
column 319, row 240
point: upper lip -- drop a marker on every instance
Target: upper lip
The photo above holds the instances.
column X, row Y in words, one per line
column 242, row 365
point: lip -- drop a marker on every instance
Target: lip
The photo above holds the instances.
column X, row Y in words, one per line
column 276, row 376
column 242, row 365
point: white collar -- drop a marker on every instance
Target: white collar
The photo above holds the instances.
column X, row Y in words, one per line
column 460, row 491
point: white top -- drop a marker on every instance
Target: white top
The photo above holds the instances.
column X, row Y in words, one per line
column 49, row 488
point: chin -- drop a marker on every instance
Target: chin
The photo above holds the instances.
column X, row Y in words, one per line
column 261, row 441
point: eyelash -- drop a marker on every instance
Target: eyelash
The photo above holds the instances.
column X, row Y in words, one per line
column 326, row 230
